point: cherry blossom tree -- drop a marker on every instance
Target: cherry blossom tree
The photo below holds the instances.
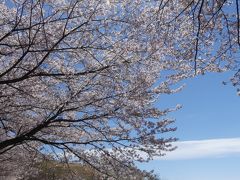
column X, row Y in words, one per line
column 79, row 79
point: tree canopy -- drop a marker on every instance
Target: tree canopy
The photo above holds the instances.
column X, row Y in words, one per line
column 79, row 79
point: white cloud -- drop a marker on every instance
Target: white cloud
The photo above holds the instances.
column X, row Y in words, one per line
column 210, row 148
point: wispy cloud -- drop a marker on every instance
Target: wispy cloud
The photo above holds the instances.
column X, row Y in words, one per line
column 210, row 148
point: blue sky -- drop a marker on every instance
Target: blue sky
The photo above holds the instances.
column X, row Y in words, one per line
column 208, row 131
